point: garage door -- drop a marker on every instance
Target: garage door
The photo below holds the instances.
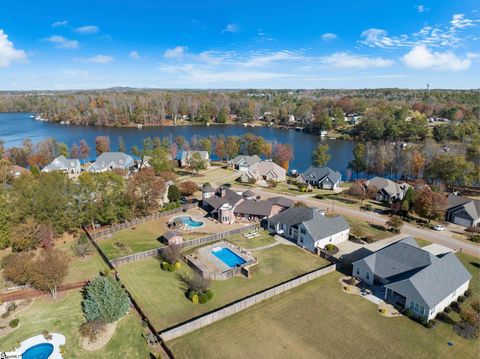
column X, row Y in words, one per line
column 462, row 221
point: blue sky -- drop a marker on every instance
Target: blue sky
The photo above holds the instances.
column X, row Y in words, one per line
column 239, row 44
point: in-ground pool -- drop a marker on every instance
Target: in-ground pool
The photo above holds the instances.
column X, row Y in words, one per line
column 188, row 221
column 39, row 351
column 228, row 257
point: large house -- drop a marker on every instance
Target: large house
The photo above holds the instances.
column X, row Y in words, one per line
column 229, row 206
column 264, row 170
column 387, row 190
column 187, row 155
column 243, row 163
column 414, row 278
column 463, row 210
column 309, row 227
column 321, row 177
column 63, row 164
column 109, row 161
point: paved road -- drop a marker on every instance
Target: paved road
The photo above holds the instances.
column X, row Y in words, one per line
column 443, row 238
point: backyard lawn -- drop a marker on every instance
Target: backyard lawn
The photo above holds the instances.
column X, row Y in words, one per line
column 318, row 320
column 161, row 294
column 263, row 240
column 65, row 317
column 83, row 268
column 216, row 176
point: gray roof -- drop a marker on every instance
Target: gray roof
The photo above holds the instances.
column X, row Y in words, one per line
column 249, row 160
column 390, row 187
column 207, row 188
column 217, row 201
column 170, row 234
column 262, row 208
column 61, row 163
column 317, row 224
column 109, row 160
column 470, row 205
column 319, row 174
column 414, row 272
column 248, row 193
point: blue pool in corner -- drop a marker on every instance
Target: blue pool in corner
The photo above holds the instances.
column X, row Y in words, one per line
column 228, row 257
column 39, row 351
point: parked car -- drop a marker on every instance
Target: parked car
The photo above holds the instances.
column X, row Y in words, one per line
column 438, row 227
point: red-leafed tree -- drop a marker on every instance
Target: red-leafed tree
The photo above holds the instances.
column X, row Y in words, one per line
column 282, row 155
column 102, row 144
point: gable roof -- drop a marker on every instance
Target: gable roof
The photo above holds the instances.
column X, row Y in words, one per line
column 248, row 160
column 314, row 173
column 470, row 205
column 218, row 201
column 188, row 154
column 62, row 163
column 390, row 187
column 111, row 159
column 170, row 234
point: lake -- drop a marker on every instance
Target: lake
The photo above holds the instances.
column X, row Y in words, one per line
column 15, row 127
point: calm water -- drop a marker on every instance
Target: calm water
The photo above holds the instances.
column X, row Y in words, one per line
column 15, row 127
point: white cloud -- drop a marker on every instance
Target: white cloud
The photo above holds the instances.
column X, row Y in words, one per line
column 329, row 36
column 98, row 59
column 346, row 60
column 230, row 28
column 421, row 8
column 76, row 73
column 8, row 52
column 176, row 53
column 421, row 57
column 60, row 23
column 135, row 55
column 460, row 22
column 380, row 38
column 87, row 29
column 63, row 43
column 258, row 60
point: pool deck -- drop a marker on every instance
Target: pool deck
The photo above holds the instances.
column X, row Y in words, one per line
column 57, row 340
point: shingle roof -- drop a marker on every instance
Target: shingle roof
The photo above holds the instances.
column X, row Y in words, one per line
column 62, row 163
column 281, row 201
column 314, row 173
column 249, row 160
column 390, row 187
column 471, row 206
column 112, row 159
column 217, row 201
column 170, row 234
column 248, row 193
column 207, row 188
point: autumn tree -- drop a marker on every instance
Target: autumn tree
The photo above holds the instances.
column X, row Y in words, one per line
column 196, row 162
column 282, row 155
column 418, row 163
column 49, row 271
column 320, row 155
column 159, row 159
column 25, row 236
column 145, row 191
column 102, row 144
column 84, row 150
column 17, row 267
column 188, row 188
column 220, row 150
column 172, row 253
column 395, row 222
column 429, row 204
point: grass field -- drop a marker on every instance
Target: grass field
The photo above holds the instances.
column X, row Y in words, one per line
column 264, row 239
column 318, row 320
column 65, row 317
column 161, row 294
column 83, row 268
column 359, row 226
column 214, row 175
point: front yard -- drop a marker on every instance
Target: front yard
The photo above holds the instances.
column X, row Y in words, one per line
column 161, row 294
column 363, row 229
column 317, row 320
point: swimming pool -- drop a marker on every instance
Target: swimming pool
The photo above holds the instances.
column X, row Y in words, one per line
column 228, row 257
column 39, row 351
column 188, row 221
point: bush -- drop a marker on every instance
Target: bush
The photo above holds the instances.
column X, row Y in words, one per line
column 461, row 299
column 320, row 196
column 209, row 294
column 165, row 265
column 171, row 268
column 195, row 299
column 91, row 329
column 191, row 293
column 329, row 247
column 369, row 239
column 430, row 323
column 202, row 298
column 408, row 313
column 63, row 350
column 177, row 265
column 473, row 229
column 455, row 306
column 368, row 207
column 467, row 293
column 14, row 323
column 476, row 305
column 443, row 317
column 447, row 310
column 475, row 238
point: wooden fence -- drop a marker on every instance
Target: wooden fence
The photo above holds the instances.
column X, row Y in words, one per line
column 190, row 243
column 242, row 304
column 108, row 231
column 33, row 293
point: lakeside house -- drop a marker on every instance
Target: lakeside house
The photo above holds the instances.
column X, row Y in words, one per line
column 243, row 163
column 321, row 177
column 109, row 161
column 228, row 206
column 264, row 170
column 463, row 211
column 413, row 278
column 387, row 190
column 63, row 164
column 187, row 155
column 309, row 227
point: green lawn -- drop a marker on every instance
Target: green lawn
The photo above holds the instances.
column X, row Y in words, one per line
column 318, row 320
column 264, row 239
column 83, row 268
column 360, row 226
column 65, row 317
column 162, row 295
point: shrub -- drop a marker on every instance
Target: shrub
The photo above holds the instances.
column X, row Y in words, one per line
column 195, row 299
column 45, row 334
column 431, row 323
column 475, row 238
column 191, row 293
column 171, row 268
column 408, row 313
column 469, row 316
column 455, row 306
column 368, row 207
column 476, row 305
column 461, row 299
column 473, row 229
column 14, row 323
column 329, row 247
column 177, row 265
column 209, row 294
column 202, row 298
column 91, row 329
column 165, row 265
column 467, row 293
column 369, row 239
column 63, row 350
column 320, row 196
column 445, row 318
column 447, row 310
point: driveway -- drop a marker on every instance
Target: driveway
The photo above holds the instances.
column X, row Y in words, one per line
column 445, row 238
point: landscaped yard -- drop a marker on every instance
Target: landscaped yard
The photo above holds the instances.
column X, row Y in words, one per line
column 362, row 229
column 317, row 320
column 161, row 294
column 65, row 317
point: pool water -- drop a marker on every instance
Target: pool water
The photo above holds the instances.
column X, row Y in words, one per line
column 228, row 257
column 188, row 221
column 39, row 351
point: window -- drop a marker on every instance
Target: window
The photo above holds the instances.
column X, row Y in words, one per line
column 358, row 271
column 417, row 308
column 303, row 231
column 367, row 275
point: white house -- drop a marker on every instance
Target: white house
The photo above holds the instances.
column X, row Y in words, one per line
column 309, row 227
column 63, row 164
column 109, row 161
column 414, row 278
column 264, row 170
column 243, row 163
